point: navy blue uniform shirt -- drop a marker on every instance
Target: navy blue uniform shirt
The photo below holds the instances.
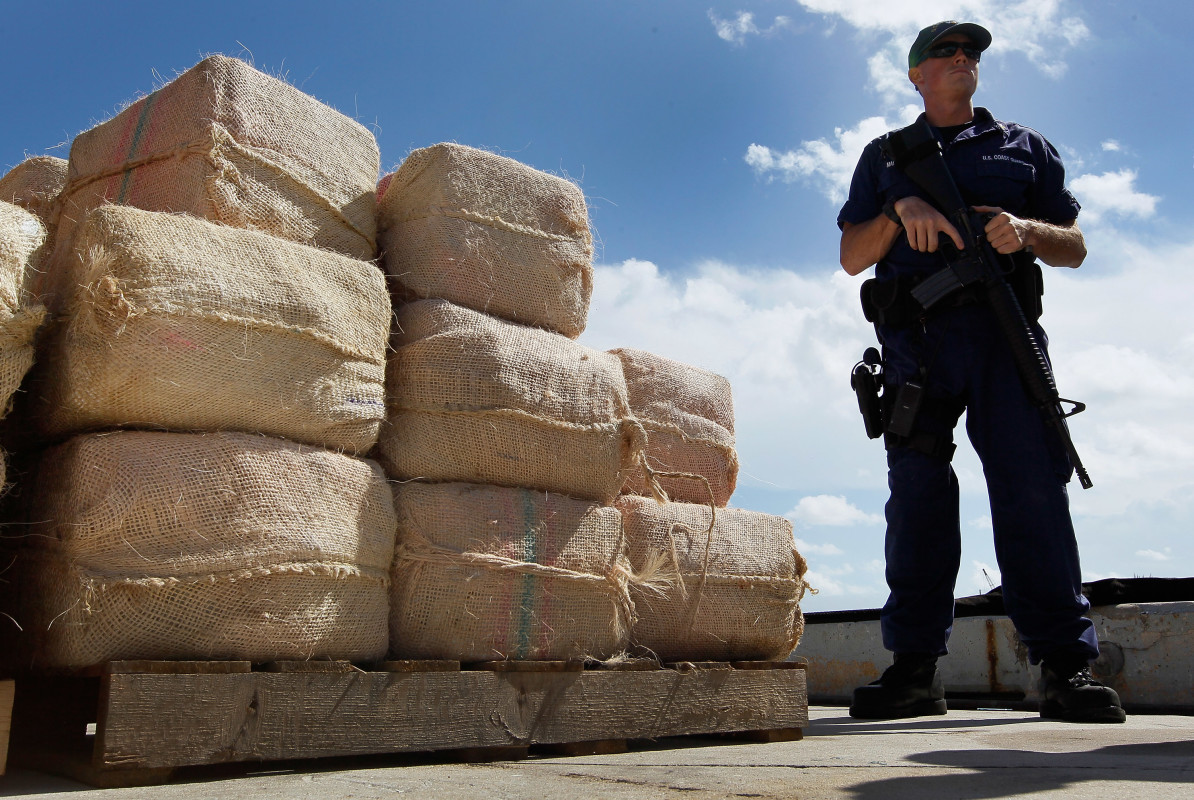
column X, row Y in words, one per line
column 993, row 163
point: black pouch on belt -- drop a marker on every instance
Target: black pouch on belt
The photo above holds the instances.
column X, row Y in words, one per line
column 890, row 302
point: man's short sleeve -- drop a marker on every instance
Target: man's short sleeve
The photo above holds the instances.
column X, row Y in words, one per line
column 864, row 202
column 1052, row 201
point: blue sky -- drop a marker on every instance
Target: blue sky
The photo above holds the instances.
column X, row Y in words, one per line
column 714, row 141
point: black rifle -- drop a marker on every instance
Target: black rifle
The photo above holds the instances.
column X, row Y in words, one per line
column 916, row 151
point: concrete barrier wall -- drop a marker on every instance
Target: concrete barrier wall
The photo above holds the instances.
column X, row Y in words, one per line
column 1147, row 656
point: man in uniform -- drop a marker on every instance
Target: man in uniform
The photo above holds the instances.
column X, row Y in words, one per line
column 958, row 355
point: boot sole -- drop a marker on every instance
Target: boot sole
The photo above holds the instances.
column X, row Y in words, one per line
column 928, row 708
column 1111, row 714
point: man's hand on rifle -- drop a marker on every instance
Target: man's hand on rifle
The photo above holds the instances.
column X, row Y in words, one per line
column 1006, row 233
column 1056, row 245
column 924, row 224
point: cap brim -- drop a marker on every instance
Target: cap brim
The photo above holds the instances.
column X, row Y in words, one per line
column 977, row 33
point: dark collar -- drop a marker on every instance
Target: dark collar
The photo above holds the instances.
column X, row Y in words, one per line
column 984, row 123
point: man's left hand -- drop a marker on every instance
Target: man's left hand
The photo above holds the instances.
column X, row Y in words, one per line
column 1006, row 233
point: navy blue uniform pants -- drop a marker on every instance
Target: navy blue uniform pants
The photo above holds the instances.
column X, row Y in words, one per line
column 970, row 367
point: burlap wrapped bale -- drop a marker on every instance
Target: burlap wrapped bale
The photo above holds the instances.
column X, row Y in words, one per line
column 485, row 573
column 35, row 185
column 182, row 324
column 21, row 235
column 478, row 399
column 228, row 545
column 688, row 414
column 487, row 232
column 227, row 143
column 735, row 595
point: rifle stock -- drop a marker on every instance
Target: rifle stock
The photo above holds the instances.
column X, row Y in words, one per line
column 918, row 154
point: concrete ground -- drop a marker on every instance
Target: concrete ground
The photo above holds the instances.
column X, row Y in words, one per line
column 966, row 754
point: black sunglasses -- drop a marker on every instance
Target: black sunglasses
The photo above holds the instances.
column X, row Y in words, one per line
column 948, row 49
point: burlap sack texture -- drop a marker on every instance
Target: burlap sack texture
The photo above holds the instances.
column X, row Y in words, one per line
column 688, row 414
column 230, row 144
column 226, row 545
column 477, row 399
column 21, row 236
column 736, row 596
column 185, row 325
column 488, row 573
column 35, row 185
column 489, row 233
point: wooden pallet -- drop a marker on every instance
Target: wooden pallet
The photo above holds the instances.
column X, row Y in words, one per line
column 151, row 718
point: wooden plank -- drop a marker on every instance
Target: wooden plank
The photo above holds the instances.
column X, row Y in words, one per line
column 7, row 693
column 154, row 721
column 769, row 664
column 528, row 666
column 276, row 716
column 176, row 667
column 689, row 666
column 336, row 667
column 628, row 665
column 418, row 665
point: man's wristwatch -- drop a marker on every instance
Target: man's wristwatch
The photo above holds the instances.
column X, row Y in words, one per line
column 890, row 212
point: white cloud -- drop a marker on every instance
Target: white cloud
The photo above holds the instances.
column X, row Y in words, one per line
column 1112, row 193
column 1111, row 146
column 1041, row 30
column 809, row 549
column 827, row 165
column 1155, row 555
column 829, row 584
column 736, row 30
column 831, row 510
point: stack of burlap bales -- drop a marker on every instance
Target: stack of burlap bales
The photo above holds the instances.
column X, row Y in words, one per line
column 213, row 370
column 510, row 442
column 214, row 379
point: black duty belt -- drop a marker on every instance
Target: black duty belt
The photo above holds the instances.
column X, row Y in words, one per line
column 890, row 302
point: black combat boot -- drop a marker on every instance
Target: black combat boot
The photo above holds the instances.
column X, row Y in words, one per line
column 910, row 687
column 1069, row 692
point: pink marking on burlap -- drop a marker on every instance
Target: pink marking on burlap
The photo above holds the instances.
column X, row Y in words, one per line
column 172, row 340
column 120, row 150
column 144, row 145
column 384, row 184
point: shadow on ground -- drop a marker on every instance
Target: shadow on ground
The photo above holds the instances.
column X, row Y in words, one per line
column 1013, row 773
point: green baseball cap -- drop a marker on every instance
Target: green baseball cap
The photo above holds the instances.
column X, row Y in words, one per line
column 929, row 36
